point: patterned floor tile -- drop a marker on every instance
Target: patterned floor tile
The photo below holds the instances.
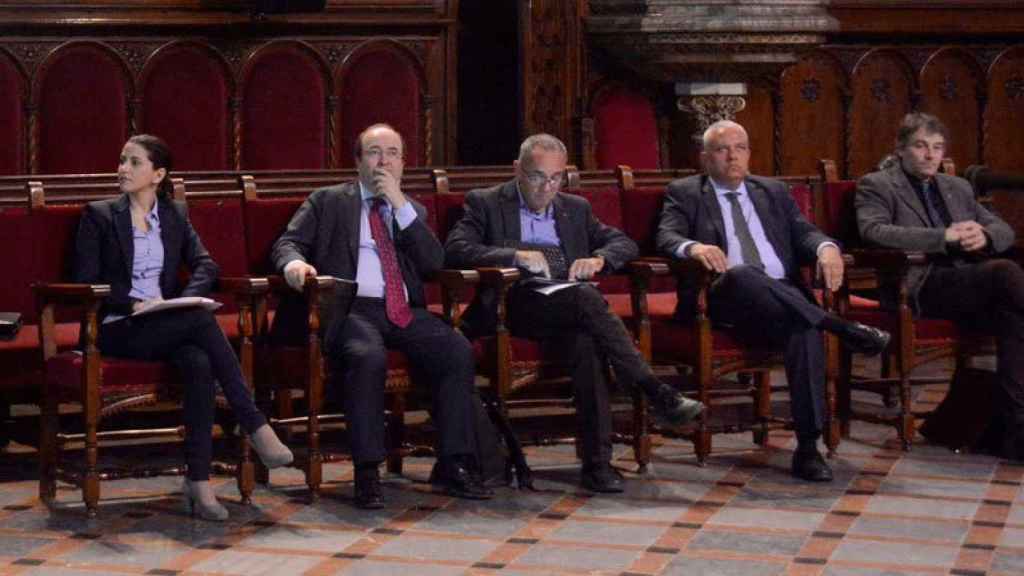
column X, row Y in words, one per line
column 579, row 558
column 758, row 518
column 766, row 544
column 430, row 548
column 113, row 552
column 287, row 538
column 909, row 555
column 604, row 533
column 374, row 568
column 953, row 532
column 924, row 507
column 1008, row 562
column 689, row 566
column 255, row 564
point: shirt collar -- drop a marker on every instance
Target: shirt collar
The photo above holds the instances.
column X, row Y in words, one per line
column 721, row 190
column 154, row 213
column 526, row 209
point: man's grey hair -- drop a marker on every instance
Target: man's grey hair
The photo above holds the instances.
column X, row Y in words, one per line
column 709, row 134
column 542, row 141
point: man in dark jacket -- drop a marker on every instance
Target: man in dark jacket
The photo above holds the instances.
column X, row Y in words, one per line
column 911, row 206
column 750, row 231
column 370, row 232
column 528, row 223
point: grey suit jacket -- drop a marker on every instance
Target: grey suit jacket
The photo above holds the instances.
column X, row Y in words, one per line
column 325, row 233
column 691, row 212
column 890, row 215
column 490, row 230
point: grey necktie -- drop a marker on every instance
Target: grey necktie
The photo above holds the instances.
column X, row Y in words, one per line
column 748, row 249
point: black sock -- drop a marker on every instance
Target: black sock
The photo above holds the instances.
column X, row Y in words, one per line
column 834, row 324
column 807, row 444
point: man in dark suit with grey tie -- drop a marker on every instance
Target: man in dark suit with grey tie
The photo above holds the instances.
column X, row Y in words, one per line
column 911, row 206
column 750, row 231
column 530, row 224
column 371, row 232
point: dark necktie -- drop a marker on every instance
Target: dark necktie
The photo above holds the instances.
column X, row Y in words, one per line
column 395, row 304
column 748, row 249
column 937, row 211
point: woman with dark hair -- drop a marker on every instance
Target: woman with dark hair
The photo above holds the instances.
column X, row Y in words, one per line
column 136, row 243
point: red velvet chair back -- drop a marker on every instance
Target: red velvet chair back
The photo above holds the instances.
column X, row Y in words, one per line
column 838, row 213
column 265, row 220
column 641, row 210
column 625, row 128
column 284, row 109
column 381, row 82
column 12, row 117
column 448, row 212
column 184, row 89
column 36, row 246
column 83, row 93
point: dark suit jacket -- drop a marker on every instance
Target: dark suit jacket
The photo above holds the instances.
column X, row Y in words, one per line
column 105, row 252
column 691, row 212
column 325, row 233
column 490, row 230
column 890, row 214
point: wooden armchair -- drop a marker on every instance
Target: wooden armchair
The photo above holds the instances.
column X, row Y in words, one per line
column 105, row 387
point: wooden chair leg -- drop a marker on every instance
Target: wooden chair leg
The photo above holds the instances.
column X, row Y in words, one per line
column 844, row 384
column 396, row 433
column 90, row 476
column 905, row 425
column 702, row 437
column 246, row 474
column 48, row 448
column 641, row 433
column 762, row 407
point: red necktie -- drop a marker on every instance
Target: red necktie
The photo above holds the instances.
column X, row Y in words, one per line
column 394, row 288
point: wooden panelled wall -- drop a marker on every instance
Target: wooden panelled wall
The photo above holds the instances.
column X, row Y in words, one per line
column 228, row 90
column 845, row 102
column 962, row 60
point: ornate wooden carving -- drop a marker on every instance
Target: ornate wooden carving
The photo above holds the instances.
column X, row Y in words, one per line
column 1004, row 113
column 950, row 89
column 882, row 88
column 811, row 111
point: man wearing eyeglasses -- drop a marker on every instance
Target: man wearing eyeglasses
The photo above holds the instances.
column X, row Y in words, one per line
column 528, row 223
column 371, row 232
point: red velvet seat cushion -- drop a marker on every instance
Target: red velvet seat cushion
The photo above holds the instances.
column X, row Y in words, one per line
column 524, row 351
column 121, row 377
column 659, row 305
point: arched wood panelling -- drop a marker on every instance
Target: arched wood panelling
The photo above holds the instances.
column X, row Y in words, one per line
column 1004, row 115
column 882, row 88
column 184, row 94
column 82, row 92
column 625, row 129
column 382, row 82
column 811, row 114
column 758, row 119
column 284, row 109
column 12, row 116
column 949, row 89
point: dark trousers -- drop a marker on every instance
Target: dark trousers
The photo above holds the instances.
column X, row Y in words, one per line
column 763, row 310
column 577, row 324
column 986, row 296
column 357, row 349
column 194, row 344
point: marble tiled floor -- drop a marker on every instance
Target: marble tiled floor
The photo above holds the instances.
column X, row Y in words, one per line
column 929, row 511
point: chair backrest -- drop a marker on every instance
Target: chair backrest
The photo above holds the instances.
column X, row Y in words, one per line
column 838, row 218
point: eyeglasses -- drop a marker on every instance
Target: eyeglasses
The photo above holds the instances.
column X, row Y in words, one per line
column 375, row 153
column 540, row 179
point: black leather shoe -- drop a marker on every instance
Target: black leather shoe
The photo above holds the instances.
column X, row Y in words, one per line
column 865, row 339
column 602, row 478
column 671, row 408
column 811, row 466
column 368, row 495
column 458, row 479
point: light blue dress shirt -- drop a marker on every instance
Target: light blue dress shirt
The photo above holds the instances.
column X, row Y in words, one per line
column 537, row 228
column 772, row 265
column 147, row 262
column 368, row 271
